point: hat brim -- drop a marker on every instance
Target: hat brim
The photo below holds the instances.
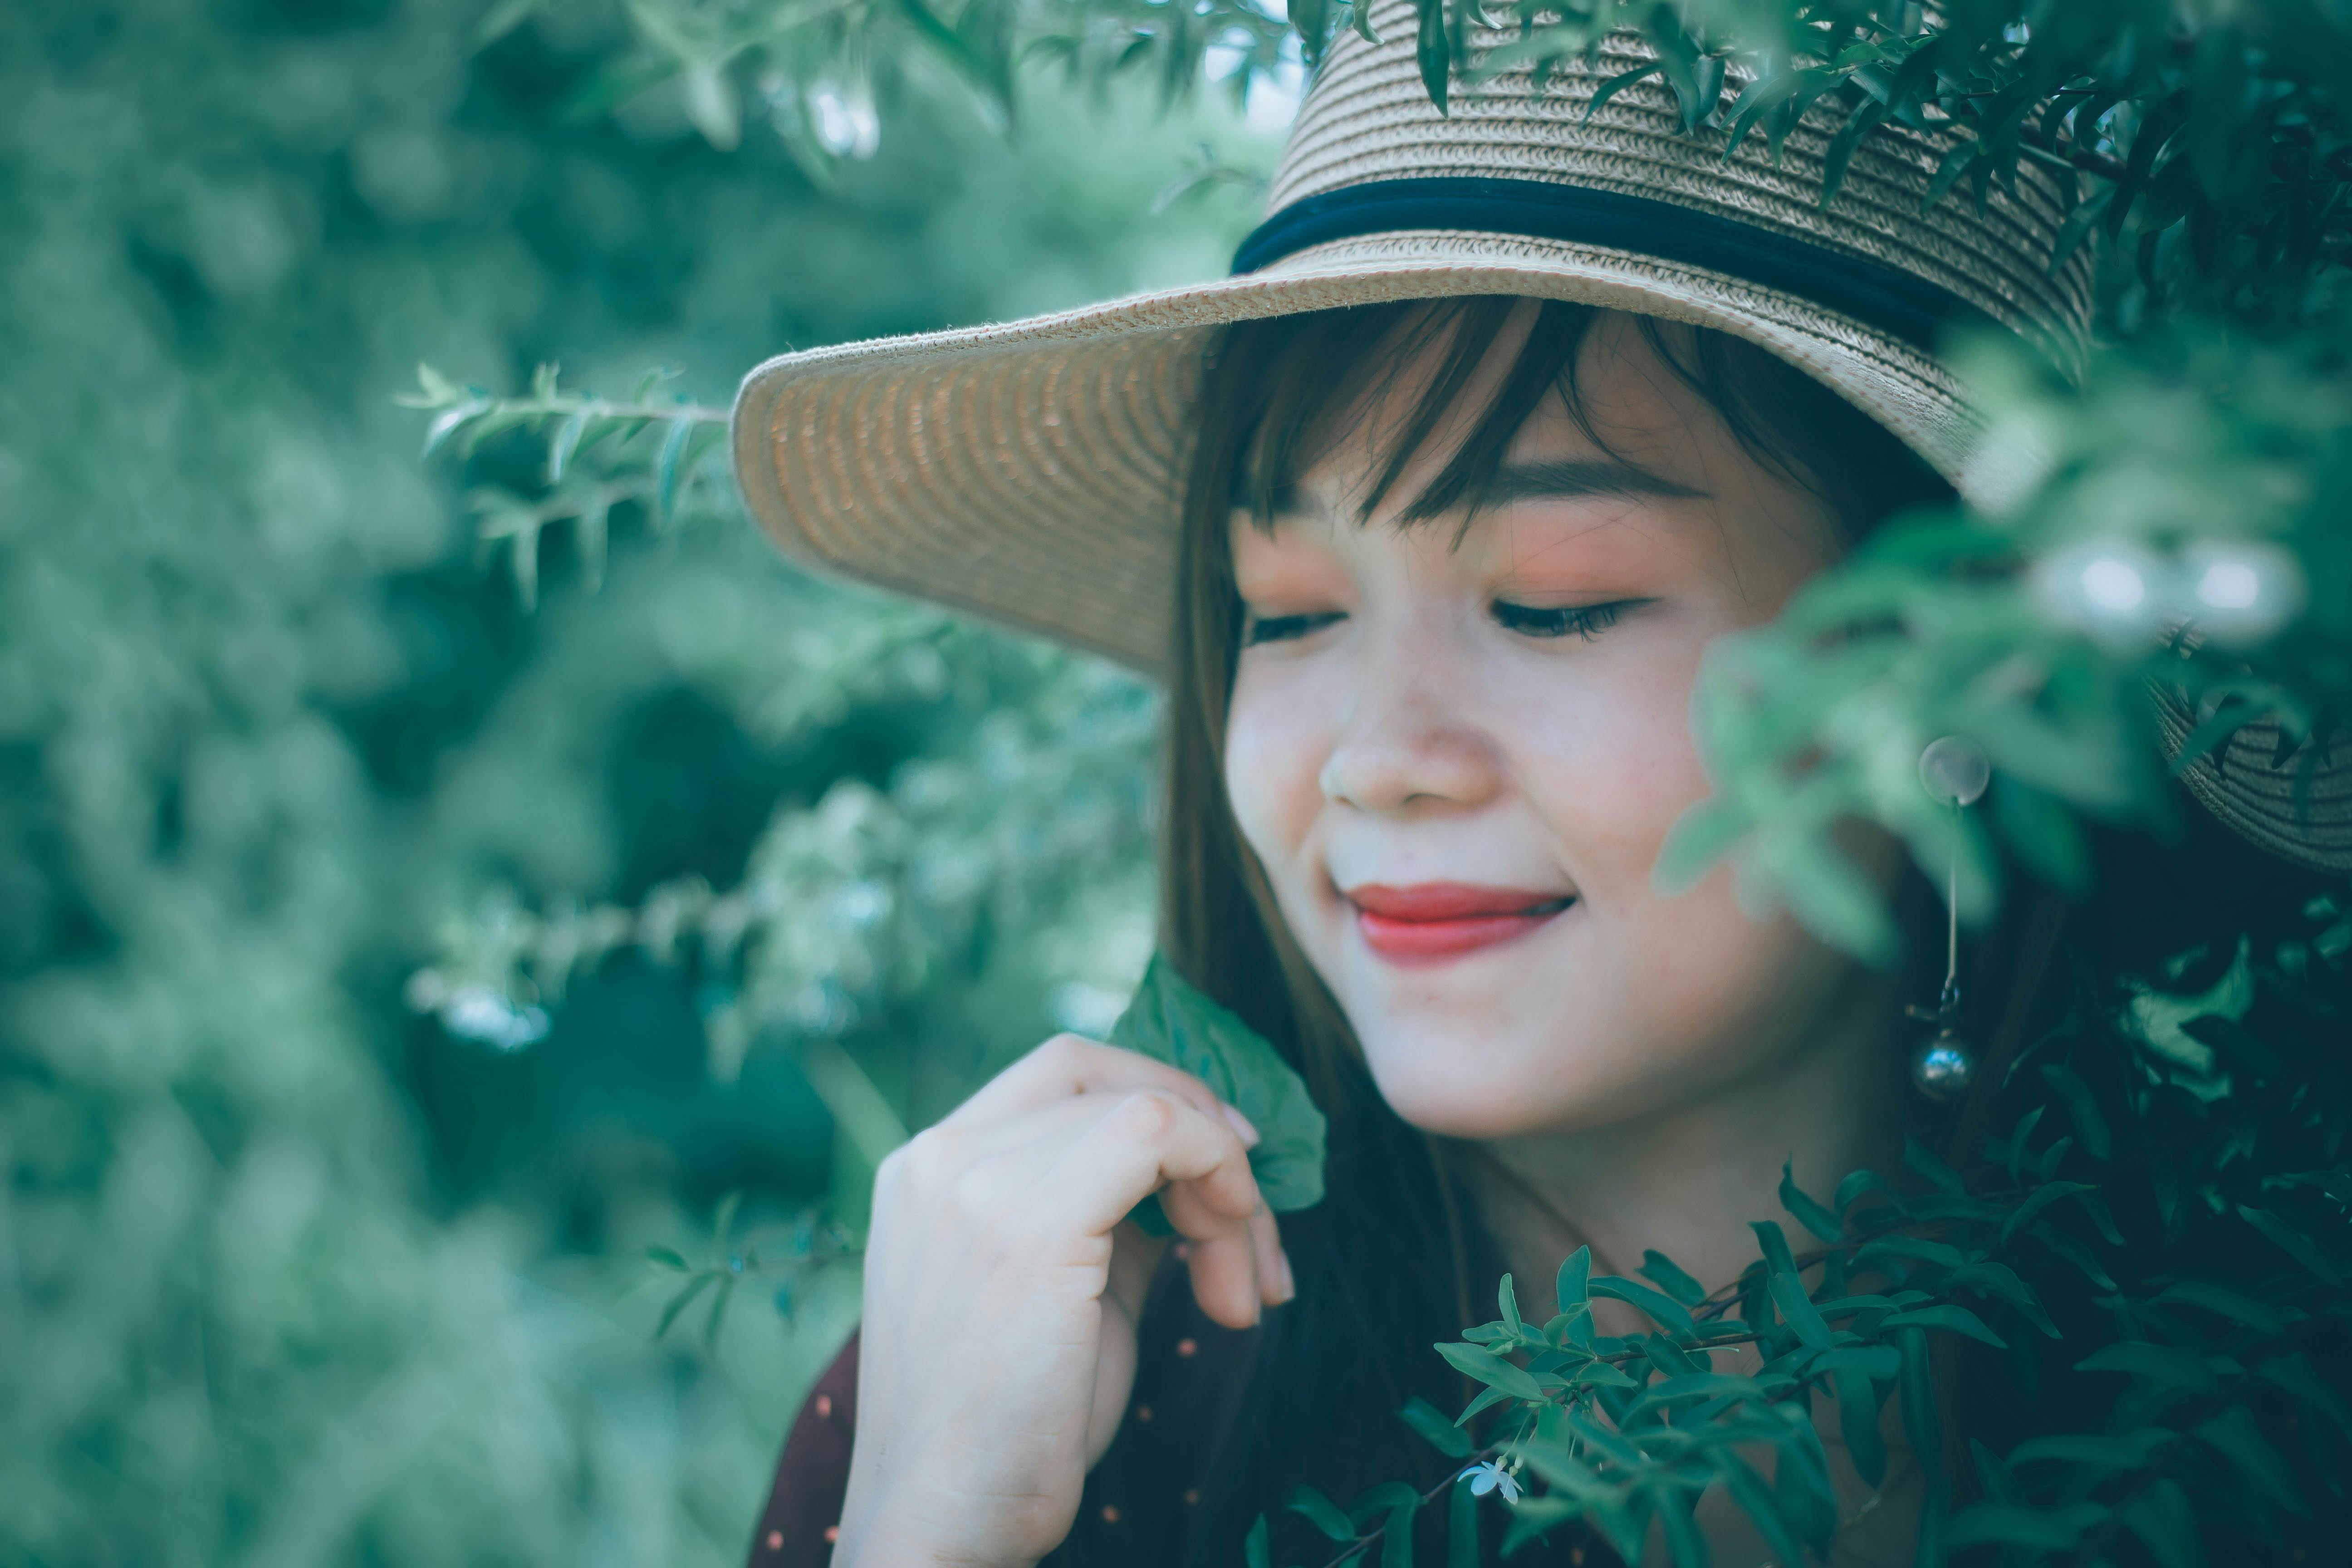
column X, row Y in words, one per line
column 1030, row 473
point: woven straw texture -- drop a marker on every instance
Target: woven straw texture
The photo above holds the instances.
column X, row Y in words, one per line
column 1029, row 472
column 2299, row 807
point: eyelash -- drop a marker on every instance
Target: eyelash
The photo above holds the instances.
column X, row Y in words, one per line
column 1586, row 621
column 1286, row 629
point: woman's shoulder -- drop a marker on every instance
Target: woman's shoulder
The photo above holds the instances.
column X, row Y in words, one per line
column 1138, row 1500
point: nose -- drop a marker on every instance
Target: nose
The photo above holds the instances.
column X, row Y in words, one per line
column 1409, row 743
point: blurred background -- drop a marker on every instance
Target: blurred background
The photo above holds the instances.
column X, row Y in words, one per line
column 434, row 909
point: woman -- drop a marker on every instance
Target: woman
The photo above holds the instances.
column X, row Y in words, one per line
column 1429, row 516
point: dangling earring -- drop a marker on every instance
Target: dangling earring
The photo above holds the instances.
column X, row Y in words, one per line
column 1953, row 769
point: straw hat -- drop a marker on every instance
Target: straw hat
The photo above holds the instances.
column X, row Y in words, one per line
column 1030, row 473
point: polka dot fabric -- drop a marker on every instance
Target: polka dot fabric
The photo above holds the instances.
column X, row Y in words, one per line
column 1140, row 1501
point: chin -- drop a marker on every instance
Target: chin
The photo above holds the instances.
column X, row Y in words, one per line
column 1451, row 1093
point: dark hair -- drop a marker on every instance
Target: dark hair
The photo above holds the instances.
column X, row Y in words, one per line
column 1391, row 1262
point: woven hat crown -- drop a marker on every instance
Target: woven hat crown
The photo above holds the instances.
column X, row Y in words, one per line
column 1368, row 120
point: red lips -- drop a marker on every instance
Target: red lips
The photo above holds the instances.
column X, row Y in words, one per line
column 1431, row 921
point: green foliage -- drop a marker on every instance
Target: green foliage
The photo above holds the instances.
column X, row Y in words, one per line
column 292, row 1273
column 1170, row 1021
column 2198, row 445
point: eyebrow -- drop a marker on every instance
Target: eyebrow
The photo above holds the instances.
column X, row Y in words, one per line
column 1557, row 478
column 1570, row 479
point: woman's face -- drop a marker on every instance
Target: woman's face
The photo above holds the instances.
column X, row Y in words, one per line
column 1456, row 753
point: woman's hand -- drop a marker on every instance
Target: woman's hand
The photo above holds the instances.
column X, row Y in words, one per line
column 1003, row 1289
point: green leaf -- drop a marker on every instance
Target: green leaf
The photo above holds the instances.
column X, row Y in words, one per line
column 1929, row 1169
column 1668, row 1314
column 2245, row 1310
column 1759, row 97
column 2000, row 1280
column 1479, row 1362
column 1700, row 838
column 1434, row 51
column 683, row 1298
column 1461, row 1526
column 2159, row 1364
column 719, row 1310
column 1571, row 1289
column 1808, row 1212
column 1669, row 1278
column 559, row 449
column 2093, row 1450
column 1394, row 1504
column 1789, row 1295
column 669, row 1258
column 1857, row 1182
column 1800, row 1484
column 1706, row 94
column 1917, row 1386
column 2217, row 105
column 1858, row 124
column 1430, row 1424
column 1257, row 1551
column 2294, row 1374
column 2040, row 1198
column 1506, row 1301
column 1321, row 1512
column 2160, row 1515
column 2082, row 1108
column 1957, row 1320
column 1486, row 1399
column 1757, row 1501
column 1170, row 1021
column 1616, row 84
column 1686, row 1546
column 2233, row 1435
column 1956, row 162
column 1777, row 1258
column 2035, row 1529
column 2292, row 1242
column 2080, row 223
column 666, row 468
column 1880, row 1364
column 447, row 421
column 1858, row 1399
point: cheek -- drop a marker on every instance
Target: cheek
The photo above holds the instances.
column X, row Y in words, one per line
column 1609, row 766
column 1273, row 745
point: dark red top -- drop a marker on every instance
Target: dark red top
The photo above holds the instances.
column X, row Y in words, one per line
column 1137, row 1499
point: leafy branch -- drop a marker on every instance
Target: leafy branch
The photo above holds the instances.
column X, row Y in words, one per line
column 809, row 1248
column 637, row 451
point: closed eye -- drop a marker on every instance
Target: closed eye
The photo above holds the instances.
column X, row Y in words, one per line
column 1286, row 628
column 1586, row 621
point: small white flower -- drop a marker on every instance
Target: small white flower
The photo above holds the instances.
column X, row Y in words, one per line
column 1491, row 1476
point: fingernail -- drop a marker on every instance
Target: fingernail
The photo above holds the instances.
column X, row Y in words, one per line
column 1289, row 1280
column 1241, row 1126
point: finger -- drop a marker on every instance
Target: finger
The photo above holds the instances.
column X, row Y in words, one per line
column 1142, row 1144
column 1275, row 1284
column 1039, row 1136
column 1070, row 1065
column 1220, row 1255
